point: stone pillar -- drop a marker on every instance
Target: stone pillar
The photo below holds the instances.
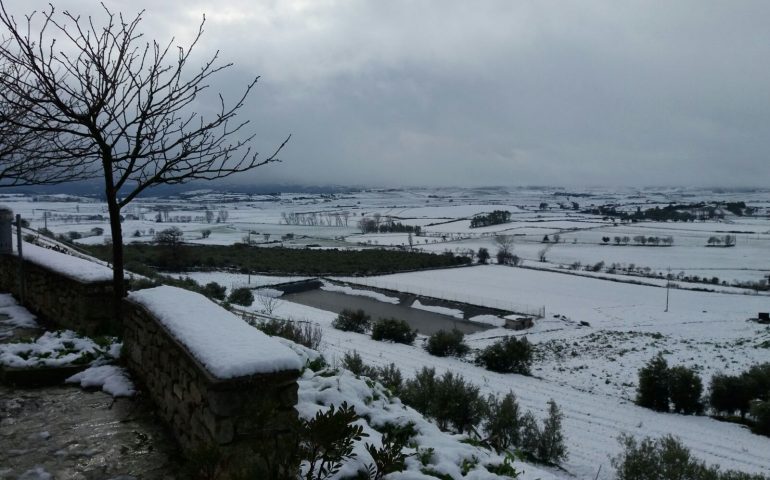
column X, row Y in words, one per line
column 6, row 230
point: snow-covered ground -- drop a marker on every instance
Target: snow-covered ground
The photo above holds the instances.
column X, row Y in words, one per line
column 592, row 371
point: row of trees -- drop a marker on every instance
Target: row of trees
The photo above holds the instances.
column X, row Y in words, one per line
column 329, row 219
column 493, row 218
column 680, row 389
column 87, row 97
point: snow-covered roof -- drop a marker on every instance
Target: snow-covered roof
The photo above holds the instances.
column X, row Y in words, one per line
column 67, row 265
column 226, row 345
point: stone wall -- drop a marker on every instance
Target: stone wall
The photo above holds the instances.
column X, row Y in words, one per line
column 85, row 307
column 244, row 419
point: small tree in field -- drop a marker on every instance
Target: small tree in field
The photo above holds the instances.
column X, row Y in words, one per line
column 685, row 389
column 483, row 255
column 652, row 391
column 97, row 95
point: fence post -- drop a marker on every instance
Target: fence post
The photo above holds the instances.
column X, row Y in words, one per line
column 21, row 259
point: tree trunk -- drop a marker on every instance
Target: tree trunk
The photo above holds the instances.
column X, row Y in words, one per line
column 118, row 282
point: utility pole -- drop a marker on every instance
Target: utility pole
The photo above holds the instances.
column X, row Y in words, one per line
column 668, row 287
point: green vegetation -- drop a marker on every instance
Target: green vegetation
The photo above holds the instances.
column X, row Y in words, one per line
column 444, row 344
column 509, row 355
column 493, row 218
column 667, row 459
column 394, row 330
column 278, row 259
column 353, row 321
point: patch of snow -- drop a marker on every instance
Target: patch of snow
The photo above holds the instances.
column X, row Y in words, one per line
column 73, row 267
column 488, row 320
column 18, row 317
column 452, row 312
column 226, row 345
column 37, row 473
column 52, row 349
column 110, row 378
column 269, row 292
column 329, row 287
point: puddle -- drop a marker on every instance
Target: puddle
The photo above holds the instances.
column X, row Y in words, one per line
column 427, row 323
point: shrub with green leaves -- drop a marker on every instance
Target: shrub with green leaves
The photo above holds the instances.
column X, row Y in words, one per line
column 760, row 410
column 241, row 296
column 685, row 390
column 652, row 391
column 327, row 440
column 450, row 401
column 444, row 344
column 666, row 459
column 304, row 333
column 352, row 321
column 509, row 355
column 214, row 290
column 503, row 422
column 394, row 330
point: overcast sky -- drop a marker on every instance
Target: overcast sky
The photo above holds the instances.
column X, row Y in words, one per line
column 490, row 92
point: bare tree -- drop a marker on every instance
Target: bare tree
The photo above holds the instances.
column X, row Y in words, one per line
column 504, row 243
column 111, row 98
column 23, row 156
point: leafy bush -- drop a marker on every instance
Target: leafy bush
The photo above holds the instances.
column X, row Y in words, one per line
column 389, row 458
column 241, row 296
column 666, row 459
column 443, row 343
column 352, row 361
column 390, row 377
column 304, row 333
column 394, row 330
column 729, row 393
column 449, row 400
column 418, row 392
column 503, row 422
column 456, row 403
column 652, row 391
column 483, row 255
column 545, row 444
column 685, row 390
column 760, row 410
column 352, row 321
column 327, row 440
column 214, row 290
column 509, row 355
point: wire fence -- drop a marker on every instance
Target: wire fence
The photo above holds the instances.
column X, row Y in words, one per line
column 460, row 297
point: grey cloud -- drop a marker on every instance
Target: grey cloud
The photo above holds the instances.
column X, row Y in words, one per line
column 493, row 92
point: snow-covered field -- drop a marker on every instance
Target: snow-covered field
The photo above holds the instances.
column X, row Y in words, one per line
column 590, row 370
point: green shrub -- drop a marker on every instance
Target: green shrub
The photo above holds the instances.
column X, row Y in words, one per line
column 685, row 390
column 352, row 321
column 241, row 296
column 456, row 403
column 352, row 361
column 327, row 440
column 418, row 392
column 652, row 391
column 214, row 290
column 666, row 459
column 544, row 444
column 443, row 344
column 760, row 410
column 503, row 422
column 304, row 333
column 390, row 377
column 509, row 355
column 394, row 330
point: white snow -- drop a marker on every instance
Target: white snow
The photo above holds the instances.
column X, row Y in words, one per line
column 488, row 320
column 452, row 312
column 52, row 349
column 221, row 341
column 329, row 287
column 110, row 378
column 67, row 265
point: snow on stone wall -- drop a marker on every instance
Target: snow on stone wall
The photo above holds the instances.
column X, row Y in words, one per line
column 244, row 413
